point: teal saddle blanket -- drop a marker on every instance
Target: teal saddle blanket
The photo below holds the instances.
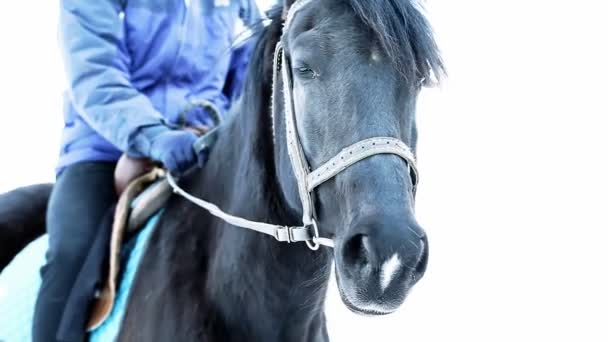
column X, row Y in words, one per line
column 20, row 281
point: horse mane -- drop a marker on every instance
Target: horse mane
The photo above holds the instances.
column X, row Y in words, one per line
column 401, row 28
column 404, row 34
column 258, row 81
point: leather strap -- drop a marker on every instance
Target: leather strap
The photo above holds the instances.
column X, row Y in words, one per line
column 294, row 147
column 206, row 141
column 281, row 233
column 357, row 152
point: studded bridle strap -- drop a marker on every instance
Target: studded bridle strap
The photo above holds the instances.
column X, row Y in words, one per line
column 294, row 147
column 359, row 151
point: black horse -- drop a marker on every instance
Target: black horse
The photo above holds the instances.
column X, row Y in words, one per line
column 357, row 66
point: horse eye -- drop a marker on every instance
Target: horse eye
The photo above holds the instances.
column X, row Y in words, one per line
column 306, row 72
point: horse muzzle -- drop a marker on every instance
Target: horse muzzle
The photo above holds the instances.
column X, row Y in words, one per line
column 378, row 262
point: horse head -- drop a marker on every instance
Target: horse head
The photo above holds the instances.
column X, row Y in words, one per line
column 352, row 72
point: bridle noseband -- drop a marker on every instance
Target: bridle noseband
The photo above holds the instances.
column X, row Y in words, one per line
column 307, row 179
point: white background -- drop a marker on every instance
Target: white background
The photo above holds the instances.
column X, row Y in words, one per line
column 512, row 155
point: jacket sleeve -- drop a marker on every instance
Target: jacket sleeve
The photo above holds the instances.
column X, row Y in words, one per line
column 93, row 48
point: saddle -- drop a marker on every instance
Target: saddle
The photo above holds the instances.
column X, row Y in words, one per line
column 139, row 200
column 143, row 190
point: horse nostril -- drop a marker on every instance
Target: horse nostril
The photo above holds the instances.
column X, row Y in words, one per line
column 355, row 251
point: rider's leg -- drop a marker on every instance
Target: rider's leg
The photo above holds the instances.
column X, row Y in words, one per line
column 81, row 197
column 22, row 218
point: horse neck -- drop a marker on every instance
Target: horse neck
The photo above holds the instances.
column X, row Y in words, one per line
column 259, row 282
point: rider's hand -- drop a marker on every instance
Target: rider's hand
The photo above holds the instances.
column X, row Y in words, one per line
column 128, row 169
column 175, row 150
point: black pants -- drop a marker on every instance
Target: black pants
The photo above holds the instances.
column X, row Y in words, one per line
column 81, row 196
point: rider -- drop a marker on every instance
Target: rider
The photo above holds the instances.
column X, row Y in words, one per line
column 134, row 68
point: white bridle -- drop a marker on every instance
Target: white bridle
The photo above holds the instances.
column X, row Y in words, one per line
column 306, row 178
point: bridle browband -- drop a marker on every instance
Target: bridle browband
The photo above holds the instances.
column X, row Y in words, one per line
column 306, row 178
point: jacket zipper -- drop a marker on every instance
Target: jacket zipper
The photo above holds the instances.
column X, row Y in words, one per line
column 182, row 33
column 183, row 28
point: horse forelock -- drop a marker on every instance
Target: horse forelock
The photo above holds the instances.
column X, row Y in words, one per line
column 405, row 35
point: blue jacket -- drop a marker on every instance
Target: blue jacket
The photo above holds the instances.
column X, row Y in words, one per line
column 136, row 64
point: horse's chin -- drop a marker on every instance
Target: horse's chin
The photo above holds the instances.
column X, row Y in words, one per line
column 364, row 311
column 349, row 298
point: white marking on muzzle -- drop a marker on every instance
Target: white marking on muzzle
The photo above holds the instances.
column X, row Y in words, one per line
column 389, row 270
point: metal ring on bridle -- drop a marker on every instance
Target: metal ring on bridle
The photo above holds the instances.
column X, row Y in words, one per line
column 314, row 243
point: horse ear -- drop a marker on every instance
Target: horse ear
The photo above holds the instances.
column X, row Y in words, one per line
column 286, row 6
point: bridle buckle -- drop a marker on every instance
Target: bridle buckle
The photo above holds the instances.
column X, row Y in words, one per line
column 285, row 234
